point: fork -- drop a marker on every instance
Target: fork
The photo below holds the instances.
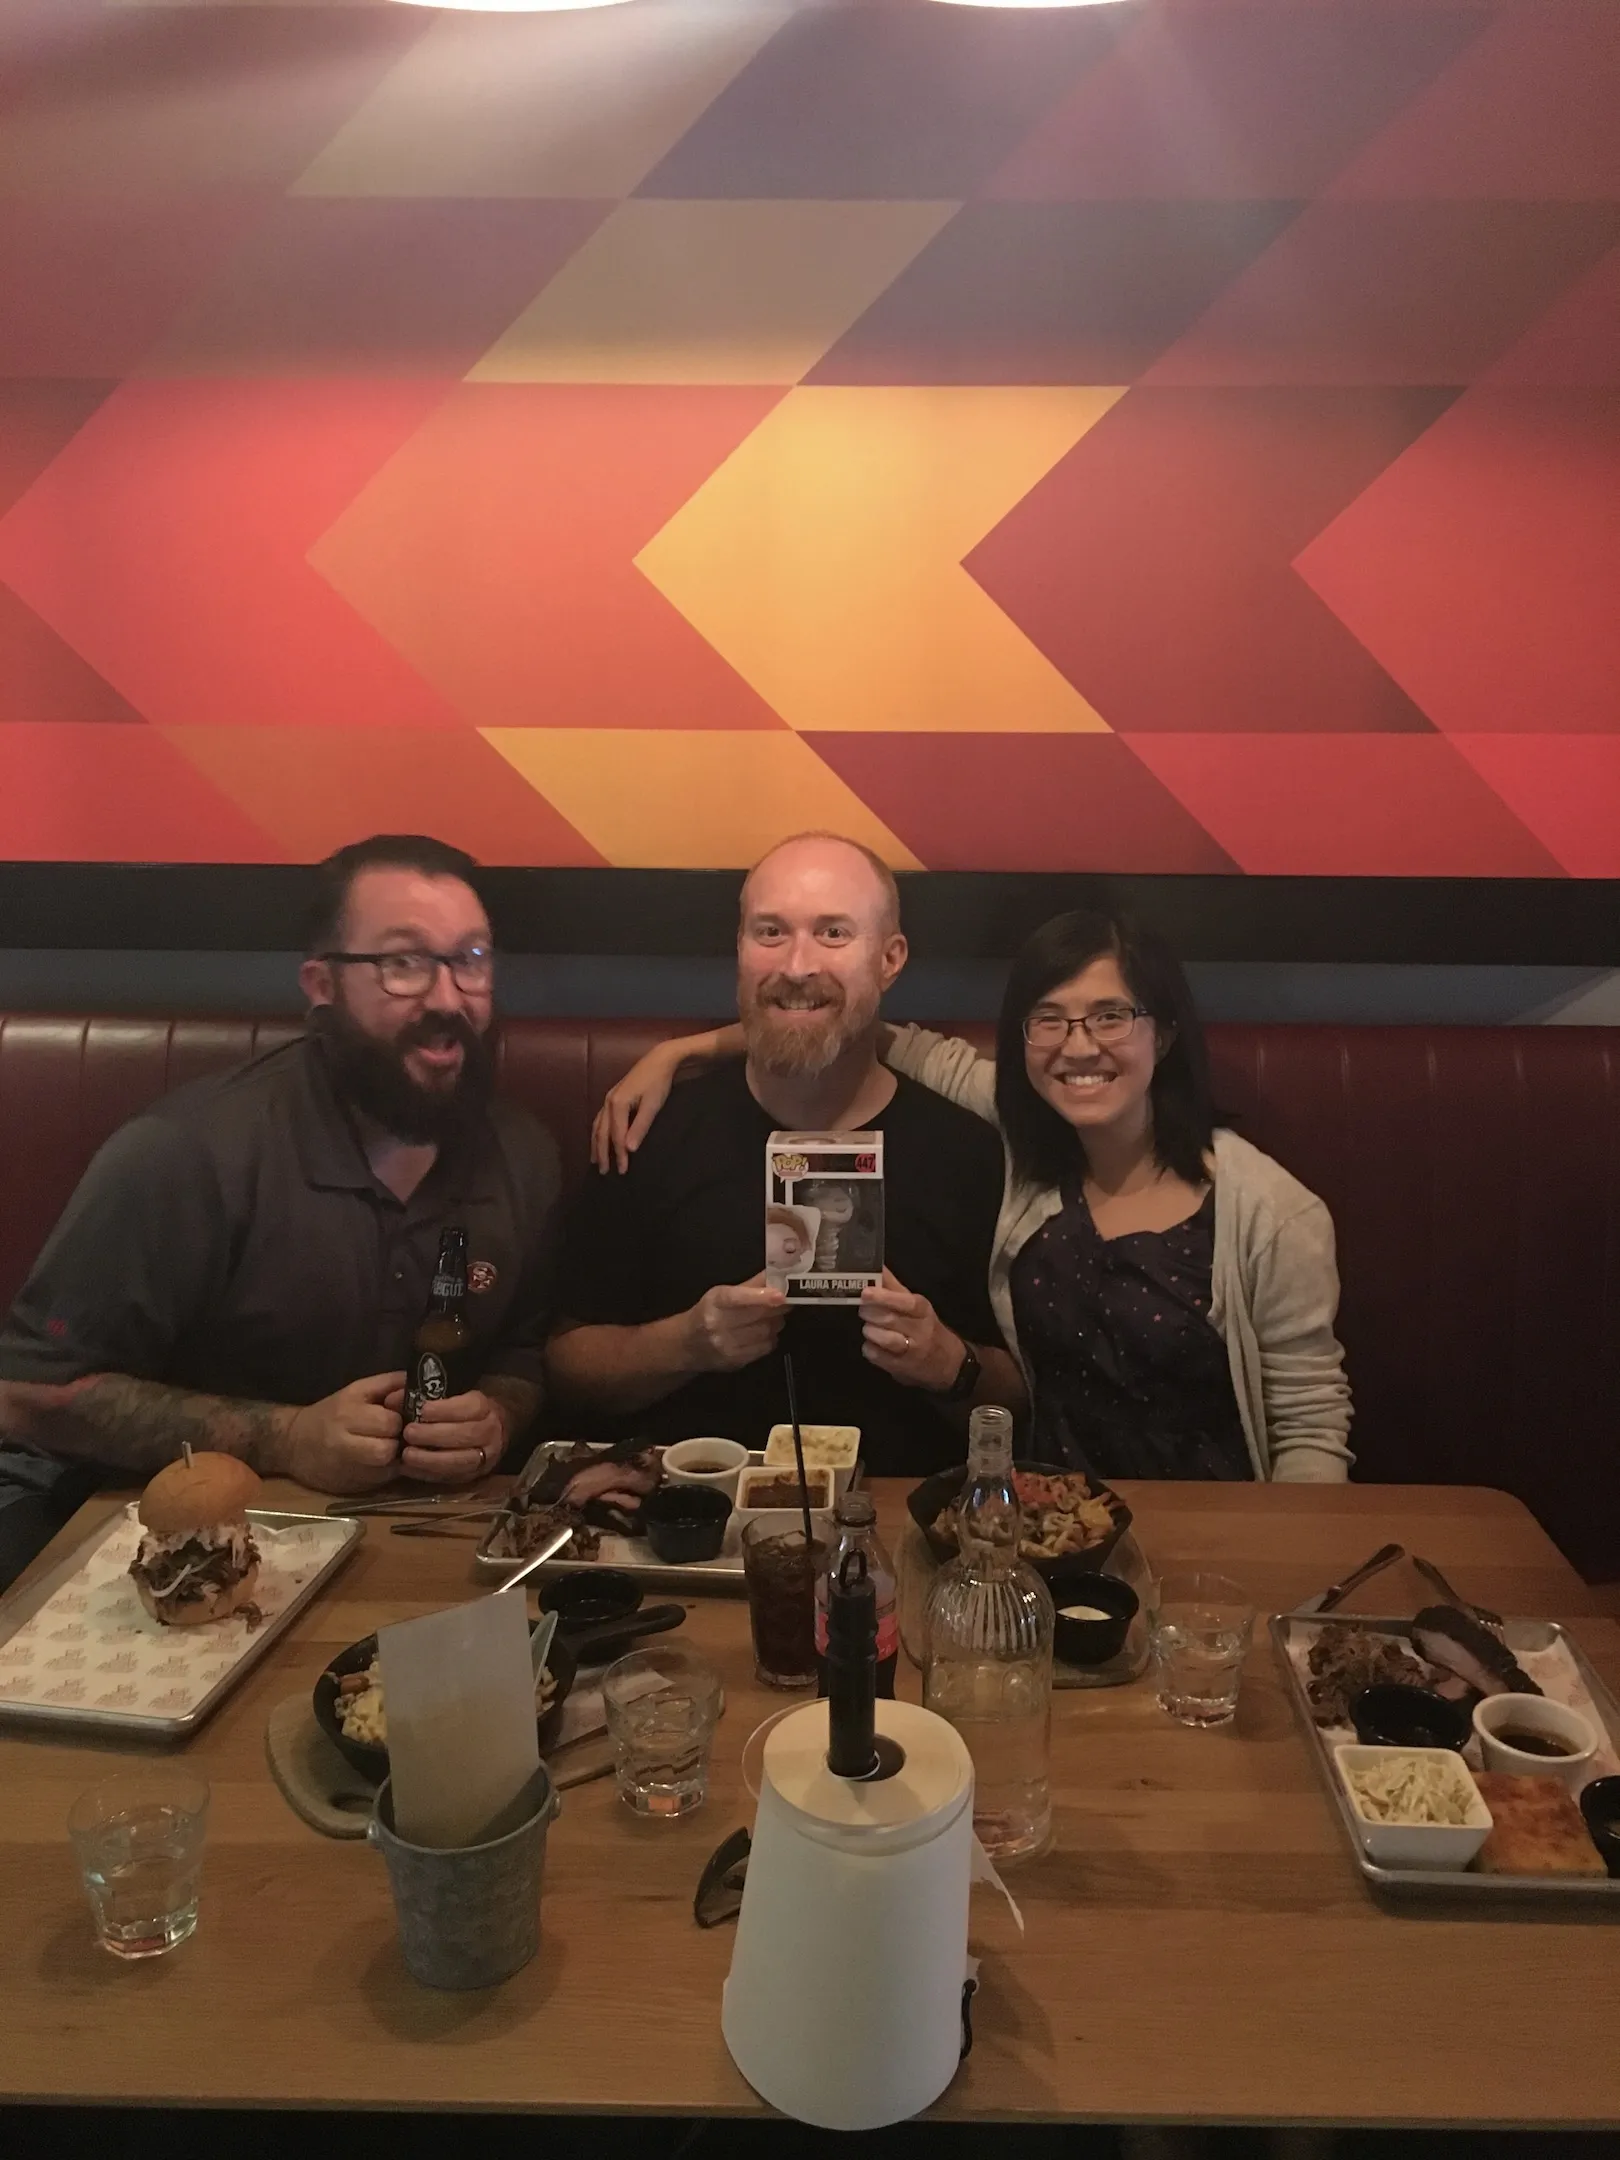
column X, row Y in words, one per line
column 1482, row 1613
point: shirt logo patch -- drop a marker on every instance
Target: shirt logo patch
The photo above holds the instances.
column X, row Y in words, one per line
column 481, row 1276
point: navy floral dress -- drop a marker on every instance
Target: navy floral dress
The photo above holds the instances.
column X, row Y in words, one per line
column 1130, row 1380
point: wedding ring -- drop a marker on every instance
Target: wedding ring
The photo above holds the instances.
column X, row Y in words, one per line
column 483, row 1461
column 906, row 1341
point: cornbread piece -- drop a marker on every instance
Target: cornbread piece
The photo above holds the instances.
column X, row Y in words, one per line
column 1536, row 1828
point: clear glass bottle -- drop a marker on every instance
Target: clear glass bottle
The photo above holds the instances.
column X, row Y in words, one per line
column 856, row 1520
column 987, row 1665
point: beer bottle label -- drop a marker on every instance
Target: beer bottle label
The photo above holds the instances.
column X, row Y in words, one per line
column 432, row 1381
column 446, row 1287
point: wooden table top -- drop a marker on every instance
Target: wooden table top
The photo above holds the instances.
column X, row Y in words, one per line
column 1199, row 1946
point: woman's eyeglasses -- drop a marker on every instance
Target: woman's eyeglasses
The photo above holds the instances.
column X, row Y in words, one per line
column 413, row 974
column 1105, row 1024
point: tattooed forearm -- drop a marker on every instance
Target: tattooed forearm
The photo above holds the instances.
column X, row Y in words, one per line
column 519, row 1399
column 138, row 1425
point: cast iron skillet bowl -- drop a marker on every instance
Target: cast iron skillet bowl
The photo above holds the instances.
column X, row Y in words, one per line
column 372, row 1761
column 934, row 1496
column 571, row 1647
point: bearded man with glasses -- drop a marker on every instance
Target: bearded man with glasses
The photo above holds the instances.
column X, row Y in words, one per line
column 243, row 1264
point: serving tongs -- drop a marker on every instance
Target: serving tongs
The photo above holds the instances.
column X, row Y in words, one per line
column 1481, row 1613
column 443, row 1526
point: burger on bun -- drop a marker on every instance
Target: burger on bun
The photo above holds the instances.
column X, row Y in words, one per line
column 197, row 1560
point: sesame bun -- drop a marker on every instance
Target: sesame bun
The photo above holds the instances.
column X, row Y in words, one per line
column 213, row 1604
column 193, row 1496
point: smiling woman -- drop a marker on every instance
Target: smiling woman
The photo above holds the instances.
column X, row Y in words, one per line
column 1170, row 1290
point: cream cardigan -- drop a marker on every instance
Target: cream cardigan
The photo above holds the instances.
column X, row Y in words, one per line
column 1275, row 1288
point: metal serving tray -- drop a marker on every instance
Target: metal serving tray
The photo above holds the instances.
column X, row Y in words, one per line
column 1459, row 1885
column 711, row 1578
column 112, row 1623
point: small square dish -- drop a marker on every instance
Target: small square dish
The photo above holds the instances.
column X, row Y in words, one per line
column 768, row 1487
column 1406, row 1784
column 826, row 1447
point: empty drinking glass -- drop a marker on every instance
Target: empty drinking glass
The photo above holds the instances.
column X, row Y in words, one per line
column 662, row 1708
column 138, row 1839
column 1200, row 1628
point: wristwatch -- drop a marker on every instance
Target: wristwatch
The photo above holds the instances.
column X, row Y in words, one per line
column 967, row 1376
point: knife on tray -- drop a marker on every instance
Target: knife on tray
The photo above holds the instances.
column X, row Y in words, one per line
column 1386, row 1556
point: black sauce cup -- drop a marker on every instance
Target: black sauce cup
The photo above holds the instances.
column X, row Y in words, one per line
column 1393, row 1716
column 582, row 1601
column 685, row 1523
column 1090, row 1642
column 1600, row 1805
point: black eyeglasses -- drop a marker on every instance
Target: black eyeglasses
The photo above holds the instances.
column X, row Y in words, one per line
column 413, row 974
column 1048, row 1030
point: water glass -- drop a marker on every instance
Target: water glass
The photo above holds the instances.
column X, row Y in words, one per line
column 1200, row 1629
column 662, row 1708
column 138, row 1839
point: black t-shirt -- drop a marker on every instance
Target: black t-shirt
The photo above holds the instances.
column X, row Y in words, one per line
column 690, row 1213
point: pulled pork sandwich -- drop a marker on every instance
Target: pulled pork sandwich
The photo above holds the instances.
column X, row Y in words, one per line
column 197, row 1561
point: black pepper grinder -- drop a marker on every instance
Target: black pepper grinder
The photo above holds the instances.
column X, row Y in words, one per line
column 852, row 1631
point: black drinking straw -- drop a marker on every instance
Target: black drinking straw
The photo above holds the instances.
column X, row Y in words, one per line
column 798, row 1451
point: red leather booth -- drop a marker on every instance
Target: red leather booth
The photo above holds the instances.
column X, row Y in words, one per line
column 1473, row 1174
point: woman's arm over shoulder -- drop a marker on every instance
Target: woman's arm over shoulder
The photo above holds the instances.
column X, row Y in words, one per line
column 948, row 1065
column 1294, row 1300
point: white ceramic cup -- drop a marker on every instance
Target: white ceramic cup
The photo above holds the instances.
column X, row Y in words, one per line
column 685, row 1453
column 1535, row 1713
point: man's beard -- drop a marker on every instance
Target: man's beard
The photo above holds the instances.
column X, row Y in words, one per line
column 371, row 1077
column 804, row 1049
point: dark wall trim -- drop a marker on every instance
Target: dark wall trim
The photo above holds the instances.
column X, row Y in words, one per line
column 962, row 915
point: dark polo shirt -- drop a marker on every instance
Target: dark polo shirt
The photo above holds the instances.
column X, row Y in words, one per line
column 233, row 1239
column 690, row 1213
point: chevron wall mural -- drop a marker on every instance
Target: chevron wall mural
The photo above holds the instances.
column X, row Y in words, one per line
column 1164, row 438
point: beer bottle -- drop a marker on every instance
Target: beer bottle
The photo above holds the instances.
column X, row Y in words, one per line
column 442, row 1333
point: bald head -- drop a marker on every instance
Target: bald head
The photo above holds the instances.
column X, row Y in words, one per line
column 818, row 943
column 837, row 868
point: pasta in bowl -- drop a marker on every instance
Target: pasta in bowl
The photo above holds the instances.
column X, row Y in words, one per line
column 1065, row 1514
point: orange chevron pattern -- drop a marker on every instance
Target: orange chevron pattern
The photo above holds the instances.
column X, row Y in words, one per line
column 1170, row 439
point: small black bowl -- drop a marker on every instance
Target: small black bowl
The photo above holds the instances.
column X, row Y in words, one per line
column 1600, row 1804
column 1393, row 1716
column 686, row 1522
column 582, row 1601
column 1091, row 1642
column 372, row 1761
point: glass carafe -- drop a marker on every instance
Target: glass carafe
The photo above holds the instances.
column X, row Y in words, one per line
column 987, row 1665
